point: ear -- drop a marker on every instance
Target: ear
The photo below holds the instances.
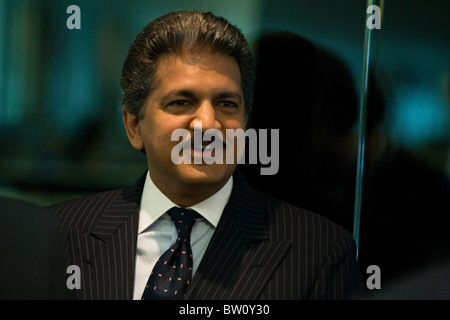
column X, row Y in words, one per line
column 133, row 129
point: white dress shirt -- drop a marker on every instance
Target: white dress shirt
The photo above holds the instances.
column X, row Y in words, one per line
column 157, row 232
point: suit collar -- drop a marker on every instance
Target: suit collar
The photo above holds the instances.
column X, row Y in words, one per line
column 154, row 204
column 243, row 203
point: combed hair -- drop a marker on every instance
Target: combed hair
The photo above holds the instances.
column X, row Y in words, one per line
column 176, row 33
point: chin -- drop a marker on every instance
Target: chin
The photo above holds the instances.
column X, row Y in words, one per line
column 204, row 174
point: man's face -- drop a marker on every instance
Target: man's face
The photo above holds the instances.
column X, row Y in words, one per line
column 191, row 88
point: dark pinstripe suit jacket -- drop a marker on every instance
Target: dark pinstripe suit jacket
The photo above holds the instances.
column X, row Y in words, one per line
column 262, row 249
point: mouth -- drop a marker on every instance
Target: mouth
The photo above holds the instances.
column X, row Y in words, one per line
column 206, row 147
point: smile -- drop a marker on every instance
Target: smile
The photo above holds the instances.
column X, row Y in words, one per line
column 208, row 147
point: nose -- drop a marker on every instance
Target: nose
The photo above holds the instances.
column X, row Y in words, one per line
column 206, row 114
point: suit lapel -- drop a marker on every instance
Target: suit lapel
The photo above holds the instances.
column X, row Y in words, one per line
column 107, row 249
column 240, row 258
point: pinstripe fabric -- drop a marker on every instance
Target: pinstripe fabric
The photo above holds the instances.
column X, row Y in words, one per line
column 262, row 249
column 267, row 249
column 102, row 232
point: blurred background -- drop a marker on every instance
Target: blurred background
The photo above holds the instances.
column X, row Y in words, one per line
column 61, row 131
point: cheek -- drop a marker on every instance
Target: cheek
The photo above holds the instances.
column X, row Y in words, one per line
column 157, row 133
column 232, row 122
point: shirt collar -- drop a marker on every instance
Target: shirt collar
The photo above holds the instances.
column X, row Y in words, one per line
column 154, row 204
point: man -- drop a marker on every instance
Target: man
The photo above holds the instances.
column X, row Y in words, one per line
column 183, row 69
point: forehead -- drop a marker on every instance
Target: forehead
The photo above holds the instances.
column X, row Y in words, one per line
column 201, row 71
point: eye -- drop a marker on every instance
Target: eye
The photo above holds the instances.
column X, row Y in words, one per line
column 179, row 103
column 228, row 104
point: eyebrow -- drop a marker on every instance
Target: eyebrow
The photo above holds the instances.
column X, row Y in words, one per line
column 178, row 93
column 191, row 94
column 229, row 94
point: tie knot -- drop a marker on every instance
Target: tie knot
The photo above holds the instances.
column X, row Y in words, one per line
column 184, row 220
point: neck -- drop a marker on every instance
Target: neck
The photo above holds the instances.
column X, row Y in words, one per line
column 187, row 194
column 190, row 199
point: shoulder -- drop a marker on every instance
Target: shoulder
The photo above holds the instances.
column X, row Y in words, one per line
column 289, row 222
column 89, row 201
column 284, row 220
column 82, row 210
column 75, row 211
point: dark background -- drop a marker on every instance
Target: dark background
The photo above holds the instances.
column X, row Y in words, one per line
column 61, row 132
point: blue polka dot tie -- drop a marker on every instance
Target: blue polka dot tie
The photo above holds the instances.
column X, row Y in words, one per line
column 173, row 271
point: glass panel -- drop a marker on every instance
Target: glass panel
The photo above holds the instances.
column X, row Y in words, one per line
column 406, row 165
column 309, row 58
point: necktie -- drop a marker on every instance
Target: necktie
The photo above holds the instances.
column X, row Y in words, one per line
column 172, row 273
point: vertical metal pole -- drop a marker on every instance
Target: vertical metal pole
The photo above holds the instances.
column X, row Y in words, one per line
column 362, row 133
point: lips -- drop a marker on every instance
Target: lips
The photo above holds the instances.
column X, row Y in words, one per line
column 205, row 145
column 206, row 148
column 198, row 147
